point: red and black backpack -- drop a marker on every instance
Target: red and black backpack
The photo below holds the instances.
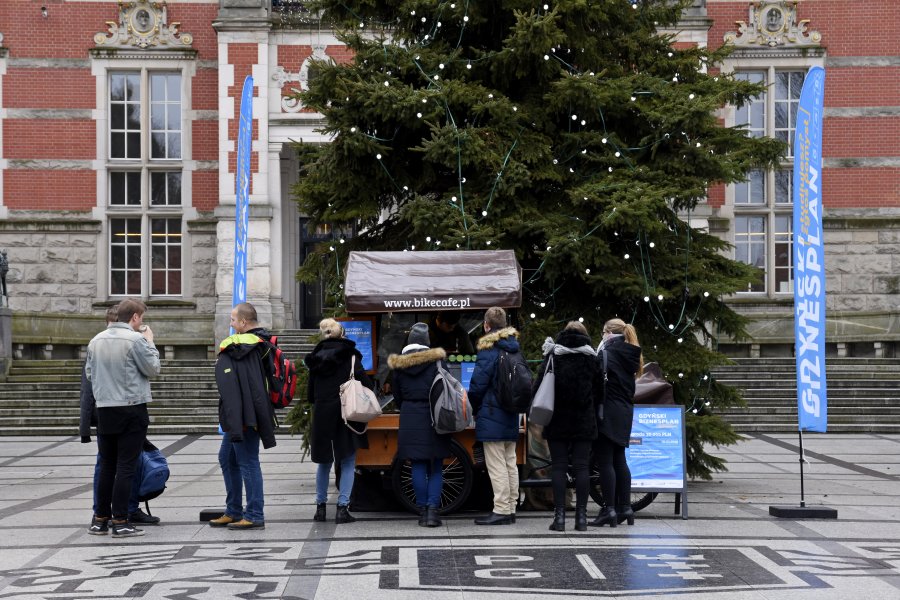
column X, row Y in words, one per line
column 282, row 374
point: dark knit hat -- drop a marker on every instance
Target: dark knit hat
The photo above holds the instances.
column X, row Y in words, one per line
column 419, row 335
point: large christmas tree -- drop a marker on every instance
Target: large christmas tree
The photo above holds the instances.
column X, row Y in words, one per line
column 570, row 131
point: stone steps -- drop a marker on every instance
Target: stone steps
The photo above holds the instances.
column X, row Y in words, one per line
column 43, row 397
column 863, row 394
column 155, row 429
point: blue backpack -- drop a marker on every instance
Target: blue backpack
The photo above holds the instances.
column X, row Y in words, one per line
column 153, row 473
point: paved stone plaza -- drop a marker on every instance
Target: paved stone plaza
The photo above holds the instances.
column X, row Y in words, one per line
column 729, row 549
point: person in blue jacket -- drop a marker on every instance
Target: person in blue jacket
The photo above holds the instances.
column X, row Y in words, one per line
column 495, row 427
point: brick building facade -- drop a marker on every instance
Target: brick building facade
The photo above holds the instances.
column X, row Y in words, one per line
column 118, row 126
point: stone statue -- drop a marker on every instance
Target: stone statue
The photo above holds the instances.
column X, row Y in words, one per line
column 4, row 269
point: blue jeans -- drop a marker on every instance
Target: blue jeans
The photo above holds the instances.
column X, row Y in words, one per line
column 133, row 503
column 427, row 481
column 345, row 485
column 240, row 467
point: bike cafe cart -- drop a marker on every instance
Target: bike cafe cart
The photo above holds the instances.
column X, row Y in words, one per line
column 386, row 293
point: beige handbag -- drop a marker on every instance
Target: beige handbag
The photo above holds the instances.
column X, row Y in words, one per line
column 358, row 403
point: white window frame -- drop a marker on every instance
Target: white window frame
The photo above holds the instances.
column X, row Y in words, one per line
column 772, row 210
column 103, row 69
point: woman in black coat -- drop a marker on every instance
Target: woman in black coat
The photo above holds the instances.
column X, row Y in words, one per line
column 573, row 427
column 623, row 364
column 413, row 374
column 331, row 439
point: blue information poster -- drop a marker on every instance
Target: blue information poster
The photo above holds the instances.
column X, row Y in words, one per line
column 361, row 332
column 656, row 453
column 465, row 373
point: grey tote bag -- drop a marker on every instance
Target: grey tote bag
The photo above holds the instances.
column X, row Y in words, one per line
column 542, row 405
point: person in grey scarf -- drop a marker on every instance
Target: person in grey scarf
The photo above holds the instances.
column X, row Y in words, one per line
column 573, row 427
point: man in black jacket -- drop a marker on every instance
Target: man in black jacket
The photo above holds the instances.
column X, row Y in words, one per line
column 246, row 416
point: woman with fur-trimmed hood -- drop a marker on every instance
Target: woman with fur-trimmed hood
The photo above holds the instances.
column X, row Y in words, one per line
column 412, row 377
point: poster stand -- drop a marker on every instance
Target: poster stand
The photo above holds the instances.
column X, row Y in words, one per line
column 657, row 453
column 361, row 329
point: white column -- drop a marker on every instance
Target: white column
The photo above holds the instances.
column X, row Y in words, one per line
column 276, row 238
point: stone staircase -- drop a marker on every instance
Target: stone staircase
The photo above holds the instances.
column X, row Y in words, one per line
column 863, row 394
column 41, row 397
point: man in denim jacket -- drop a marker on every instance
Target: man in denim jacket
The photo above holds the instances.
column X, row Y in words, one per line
column 88, row 420
column 120, row 361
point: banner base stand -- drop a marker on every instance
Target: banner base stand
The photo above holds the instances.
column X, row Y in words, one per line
column 803, row 512
column 208, row 514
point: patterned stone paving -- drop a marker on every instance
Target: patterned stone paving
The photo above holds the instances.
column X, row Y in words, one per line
column 729, row 549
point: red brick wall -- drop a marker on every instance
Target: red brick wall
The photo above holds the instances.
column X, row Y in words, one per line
column 205, row 90
column 243, row 57
column 46, row 138
column 49, row 190
column 205, row 135
column 69, row 28
column 861, row 187
column 339, row 54
column 49, row 88
column 206, row 190
column 715, row 196
column 849, row 28
column 860, row 136
column 862, row 86
column 68, row 33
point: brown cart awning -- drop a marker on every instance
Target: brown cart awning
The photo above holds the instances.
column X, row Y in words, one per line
column 379, row 282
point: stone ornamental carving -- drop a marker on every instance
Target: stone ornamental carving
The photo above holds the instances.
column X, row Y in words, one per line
column 143, row 24
column 773, row 24
column 282, row 77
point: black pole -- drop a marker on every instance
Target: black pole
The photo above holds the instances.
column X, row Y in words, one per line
column 802, row 511
column 802, row 496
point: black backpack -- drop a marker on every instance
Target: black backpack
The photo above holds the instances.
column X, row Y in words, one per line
column 513, row 382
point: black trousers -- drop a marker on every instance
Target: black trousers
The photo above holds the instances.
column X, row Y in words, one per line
column 561, row 452
column 613, row 471
column 121, row 433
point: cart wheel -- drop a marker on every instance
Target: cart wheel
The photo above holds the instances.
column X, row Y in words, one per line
column 639, row 500
column 457, row 475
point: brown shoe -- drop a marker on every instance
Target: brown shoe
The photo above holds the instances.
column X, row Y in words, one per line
column 222, row 521
column 245, row 524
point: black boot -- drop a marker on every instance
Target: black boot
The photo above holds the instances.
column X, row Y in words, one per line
column 559, row 520
column 625, row 513
column 607, row 516
column 581, row 518
column 320, row 513
column 422, row 521
column 342, row 515
column 431, row 517
column 494, row 519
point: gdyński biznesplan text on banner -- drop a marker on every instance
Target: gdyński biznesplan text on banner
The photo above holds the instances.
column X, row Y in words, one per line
column 242, row 194
column 809, row 255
